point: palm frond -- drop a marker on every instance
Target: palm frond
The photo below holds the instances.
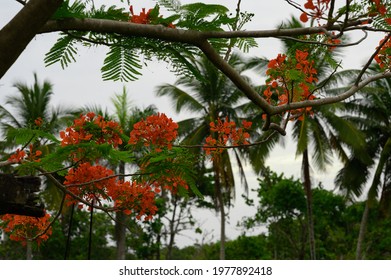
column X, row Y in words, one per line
column 180, row 99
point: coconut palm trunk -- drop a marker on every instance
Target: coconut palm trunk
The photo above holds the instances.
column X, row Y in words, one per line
column 120, row 226
column 308, row 192
column 220, row 206
column 29, row 250
column 363, row 228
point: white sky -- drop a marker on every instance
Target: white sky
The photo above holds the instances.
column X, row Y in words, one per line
column 81, row 84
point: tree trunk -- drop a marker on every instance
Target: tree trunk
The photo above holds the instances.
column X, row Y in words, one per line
column 220, row 205
column 173, row 229
column 308, row 192
column 120, row 226
column 222, row 223
column 363, row 229
column 120, row 235
column 29, row 250
column 385, row 197
column 17, row 34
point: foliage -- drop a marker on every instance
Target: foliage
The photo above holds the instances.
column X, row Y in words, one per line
column 122, row 62
column 282, row 208
column 80, row 164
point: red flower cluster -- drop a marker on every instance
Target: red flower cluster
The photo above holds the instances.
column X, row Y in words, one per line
column 24, row 228
column 317, row 9
column 379, row 7
column 95, row 176
column 383, row 57
column 171, row 182
column 97, row 183
column 290, row 78
column 90, row 127
column 142, row 18
column 134, row 197
column 157, row 131
column 150, row 17
column 38, row 122
column 226, row 132
column 20, row 155
column 17, row 157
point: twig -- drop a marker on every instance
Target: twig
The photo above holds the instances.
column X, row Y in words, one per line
column 54, row 219
column 327, row 44
column 370, row 60
column 103, row 179
column 226, row 147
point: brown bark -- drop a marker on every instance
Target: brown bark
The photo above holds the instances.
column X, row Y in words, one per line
column 17, row 34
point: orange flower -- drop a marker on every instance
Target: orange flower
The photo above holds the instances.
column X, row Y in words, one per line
column 17, row 157
column 317, row 9
column 88, row 128
column 150, row 17
column 383, row 57
column 132, row 197
column 226, row 132
column 304, row 17
column 89, row 182
column 142, row 18
column 157, row 131
column 24, row 228
column 38, row 122
column 287, row 86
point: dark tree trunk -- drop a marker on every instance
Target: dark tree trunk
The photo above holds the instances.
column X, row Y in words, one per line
column 308, row 192
column 17, row 34
column 222, row 223
column 120, row 226
column 363, row 229
column 220, row 207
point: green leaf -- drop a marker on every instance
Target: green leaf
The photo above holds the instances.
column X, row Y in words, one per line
column 21, row 136
column 63, row 51
column 76, row 10
column 245, row 44
column 294, row 75
column 121, row 64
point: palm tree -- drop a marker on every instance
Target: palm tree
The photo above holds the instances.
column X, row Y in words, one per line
column 29, row 105
column 210, row 95
column 370, row 111
column 324, row 131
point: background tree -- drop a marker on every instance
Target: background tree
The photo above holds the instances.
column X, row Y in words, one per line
column 369, row 111
column 30, row 108
column 213, row 96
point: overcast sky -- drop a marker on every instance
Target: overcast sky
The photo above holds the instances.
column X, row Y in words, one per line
column 81, row 83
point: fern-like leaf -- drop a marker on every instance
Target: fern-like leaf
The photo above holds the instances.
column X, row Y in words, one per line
column 245, row 44
column 63, row 51
column 121, row 64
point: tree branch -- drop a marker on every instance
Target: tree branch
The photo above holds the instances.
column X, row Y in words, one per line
column 17, row 34
column 329, row 100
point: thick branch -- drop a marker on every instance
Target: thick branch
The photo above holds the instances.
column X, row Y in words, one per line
column 234, row 76
column 17, row 34
column 177, row 35
column 330, row 100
